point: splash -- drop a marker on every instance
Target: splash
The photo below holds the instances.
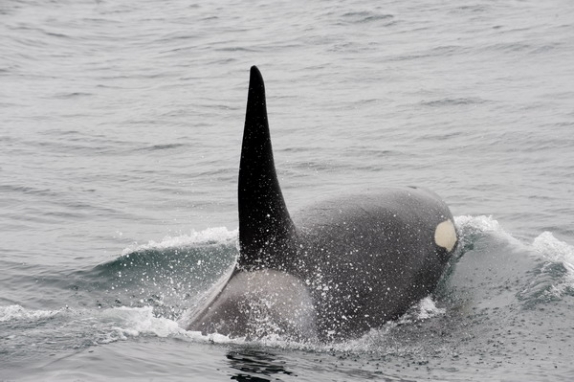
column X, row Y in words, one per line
column 134, row 322
column 472, row 227
column 427, row 309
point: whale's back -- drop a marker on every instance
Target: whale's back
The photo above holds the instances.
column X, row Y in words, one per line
column 368, row 258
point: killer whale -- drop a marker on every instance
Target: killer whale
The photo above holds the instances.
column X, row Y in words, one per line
column 333, row 271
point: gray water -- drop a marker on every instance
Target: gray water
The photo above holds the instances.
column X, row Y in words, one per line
column 120, row 129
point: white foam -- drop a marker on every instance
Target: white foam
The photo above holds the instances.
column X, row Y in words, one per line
column 112, row 324
column 214, row 338
column 135, row 321
column 469, row 226
column 123, row 322
column 17, row 312
column 477, row 223
column 554, row 250
column 428, row 309
column 215, row 235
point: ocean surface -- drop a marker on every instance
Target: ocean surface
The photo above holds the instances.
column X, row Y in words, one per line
column 120, row 133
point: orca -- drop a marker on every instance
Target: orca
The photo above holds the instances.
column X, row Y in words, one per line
column 335, row 270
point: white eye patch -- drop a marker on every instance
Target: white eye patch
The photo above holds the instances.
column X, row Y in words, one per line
column 445, row 235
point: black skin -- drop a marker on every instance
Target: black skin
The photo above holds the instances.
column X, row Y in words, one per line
column 376, row 253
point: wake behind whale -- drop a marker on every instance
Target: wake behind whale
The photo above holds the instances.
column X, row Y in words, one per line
column 333, row 271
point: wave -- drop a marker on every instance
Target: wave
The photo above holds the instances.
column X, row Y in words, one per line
column 188, row 265
column 553, row 274
column 471, row 228
column 210, row 236
column 169, row 275
column 556, row 251
column 88, row 327
column 155, row 283
column 197, row 253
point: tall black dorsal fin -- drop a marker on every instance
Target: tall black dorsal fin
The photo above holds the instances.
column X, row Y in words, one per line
column 266, row 232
